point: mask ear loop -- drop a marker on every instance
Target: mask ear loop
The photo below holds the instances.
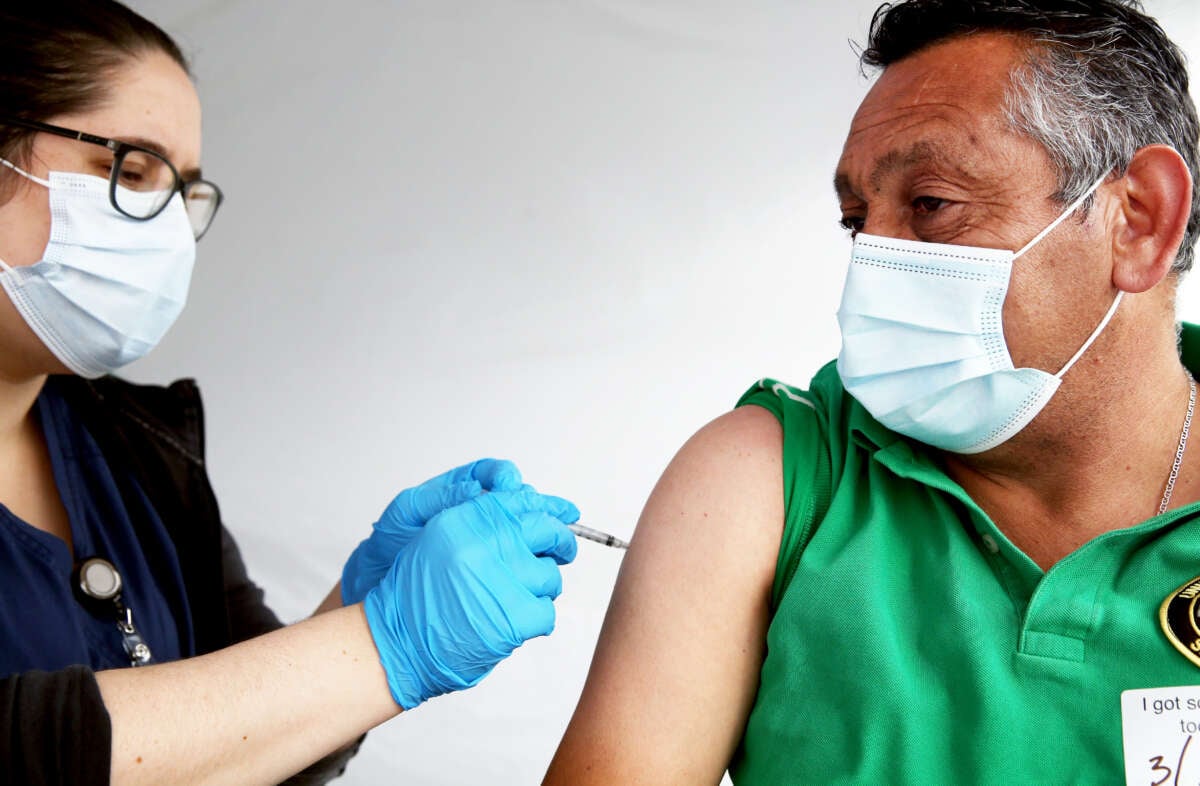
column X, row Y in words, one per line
column 1037, row 239
column 1116, row 301
column 4, row 266
column 22, row 172
column 1095, row 333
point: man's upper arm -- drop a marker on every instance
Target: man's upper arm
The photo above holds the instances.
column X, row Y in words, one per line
column 676, row 668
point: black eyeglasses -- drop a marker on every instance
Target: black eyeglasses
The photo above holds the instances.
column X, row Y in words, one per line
column 147, row 180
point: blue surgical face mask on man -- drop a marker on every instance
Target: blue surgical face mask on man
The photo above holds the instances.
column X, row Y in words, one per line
column 923, row 344
column 107, row 287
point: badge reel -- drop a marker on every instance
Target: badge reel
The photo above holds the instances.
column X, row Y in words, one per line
column 100, row 585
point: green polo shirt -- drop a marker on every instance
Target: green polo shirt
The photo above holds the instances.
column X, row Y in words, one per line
column 911, row 642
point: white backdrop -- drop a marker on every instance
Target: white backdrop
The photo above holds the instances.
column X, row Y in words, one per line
column 568, row 233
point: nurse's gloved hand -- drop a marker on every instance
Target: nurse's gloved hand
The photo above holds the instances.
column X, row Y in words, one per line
column 409, row 511
column 475, row 582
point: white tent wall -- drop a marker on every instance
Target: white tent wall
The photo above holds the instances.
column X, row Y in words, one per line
column 569, row 233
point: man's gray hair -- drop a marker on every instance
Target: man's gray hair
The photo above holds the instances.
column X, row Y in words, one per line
column 1092, row 109
column 1101, row 81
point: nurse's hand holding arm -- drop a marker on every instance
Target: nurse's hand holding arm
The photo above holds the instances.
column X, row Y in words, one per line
column 469, row 587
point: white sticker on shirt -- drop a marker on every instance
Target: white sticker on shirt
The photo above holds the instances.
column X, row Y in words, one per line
column 1161, row 732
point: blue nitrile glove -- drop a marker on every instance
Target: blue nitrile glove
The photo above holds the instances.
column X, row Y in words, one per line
column 409, row 511
column 475, row 582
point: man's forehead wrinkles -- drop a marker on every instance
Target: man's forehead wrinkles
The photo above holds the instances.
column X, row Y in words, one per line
column 892, row 108
column 901, row 159
column 928, row 123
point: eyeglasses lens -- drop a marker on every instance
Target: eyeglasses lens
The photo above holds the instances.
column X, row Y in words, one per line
column 145, row 182
column 201, row 198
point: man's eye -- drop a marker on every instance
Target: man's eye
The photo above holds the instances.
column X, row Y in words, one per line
column 851, row 224
column 928, row 204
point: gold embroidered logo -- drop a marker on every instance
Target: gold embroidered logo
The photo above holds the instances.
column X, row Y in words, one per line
column 1180, row 619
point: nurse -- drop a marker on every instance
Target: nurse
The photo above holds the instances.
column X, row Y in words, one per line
column 112, row 552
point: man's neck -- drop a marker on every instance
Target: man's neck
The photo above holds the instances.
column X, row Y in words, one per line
column 1097, row 458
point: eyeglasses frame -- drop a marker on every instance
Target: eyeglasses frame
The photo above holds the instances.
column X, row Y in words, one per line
column 120, row 150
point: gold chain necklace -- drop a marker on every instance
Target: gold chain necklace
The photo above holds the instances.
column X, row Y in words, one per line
column 1183, row 435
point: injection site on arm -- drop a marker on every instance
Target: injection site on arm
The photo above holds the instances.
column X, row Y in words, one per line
column 683, row 639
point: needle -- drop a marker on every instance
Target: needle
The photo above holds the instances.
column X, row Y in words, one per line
column 598, row 536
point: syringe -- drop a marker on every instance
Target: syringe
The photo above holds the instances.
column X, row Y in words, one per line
column 598, row 536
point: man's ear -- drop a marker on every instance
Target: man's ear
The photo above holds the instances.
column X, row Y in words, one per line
column 1155, row 201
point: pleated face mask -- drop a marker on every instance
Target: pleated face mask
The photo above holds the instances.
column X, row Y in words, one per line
column 108, row 287
column 923, row 344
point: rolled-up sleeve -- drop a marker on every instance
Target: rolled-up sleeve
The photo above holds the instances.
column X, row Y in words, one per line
column 54, row 729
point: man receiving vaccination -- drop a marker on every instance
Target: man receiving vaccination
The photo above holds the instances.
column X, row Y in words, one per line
column 969, row 552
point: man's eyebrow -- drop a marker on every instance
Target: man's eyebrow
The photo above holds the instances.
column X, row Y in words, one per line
column 922, row 152
column 842, row 187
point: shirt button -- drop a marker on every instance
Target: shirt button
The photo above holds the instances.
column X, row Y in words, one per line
column 990, row 544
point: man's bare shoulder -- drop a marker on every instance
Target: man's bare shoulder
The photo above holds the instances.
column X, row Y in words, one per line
column 729, row 474
column 682, row 644
column 748, row 429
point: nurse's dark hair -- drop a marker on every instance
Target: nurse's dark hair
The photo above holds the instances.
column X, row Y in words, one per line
column 1101, row 79
column 59, row 56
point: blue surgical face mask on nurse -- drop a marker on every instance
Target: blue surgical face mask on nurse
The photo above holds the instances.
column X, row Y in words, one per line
column 923, row 345
column 108, row 286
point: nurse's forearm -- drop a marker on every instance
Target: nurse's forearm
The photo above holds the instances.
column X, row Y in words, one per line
column 252, row 713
